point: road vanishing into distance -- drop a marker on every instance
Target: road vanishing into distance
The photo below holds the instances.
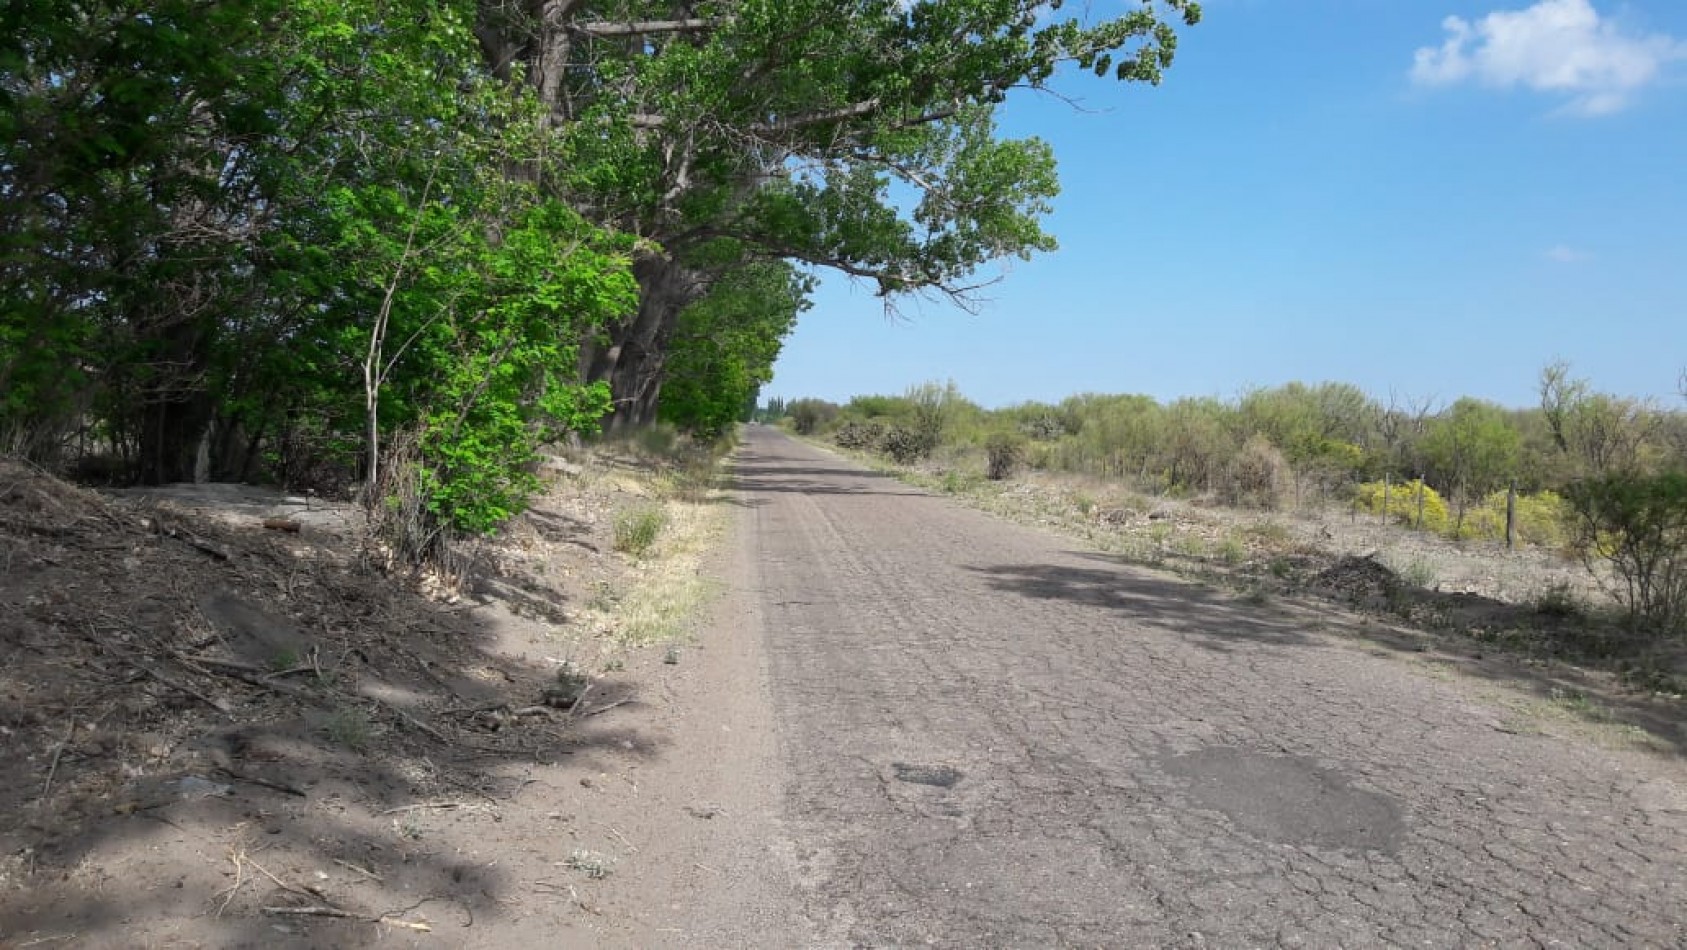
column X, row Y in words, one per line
column 988, row 737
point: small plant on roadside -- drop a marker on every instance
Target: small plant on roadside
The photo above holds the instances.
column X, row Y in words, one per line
column 1268, row 532
column 636, row 529
column 1558, row 601
column 571, row 683
column 1231, row 551
column 671, row 657
column 614, row 666
column 284, row 660
column 350, row 727
column 1190, row 546
column 1003, row 451
column 590, row 863
column 1577, row 702
column 604, row 598
column 1418, row 572
column 657, row 441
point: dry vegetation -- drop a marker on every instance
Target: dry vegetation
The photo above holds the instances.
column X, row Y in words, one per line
column 223, row 732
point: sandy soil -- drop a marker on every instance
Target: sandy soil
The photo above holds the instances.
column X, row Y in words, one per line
column 227, row 736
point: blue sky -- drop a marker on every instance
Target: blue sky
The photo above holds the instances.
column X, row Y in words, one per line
column 1430, row 197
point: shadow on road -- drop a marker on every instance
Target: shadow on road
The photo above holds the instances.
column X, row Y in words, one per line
column 767, row 473
column 1212, row 619
column 1218, row 620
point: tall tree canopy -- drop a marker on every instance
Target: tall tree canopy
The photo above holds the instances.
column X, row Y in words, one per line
column 343, row 240
column 857, row 135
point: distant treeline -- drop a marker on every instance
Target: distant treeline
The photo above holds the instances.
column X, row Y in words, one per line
column 1601, row 468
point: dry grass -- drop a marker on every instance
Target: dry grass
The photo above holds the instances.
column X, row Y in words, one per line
column 668, row 589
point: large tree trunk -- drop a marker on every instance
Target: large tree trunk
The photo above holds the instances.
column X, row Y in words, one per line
column 176, row 409
column 632, row 358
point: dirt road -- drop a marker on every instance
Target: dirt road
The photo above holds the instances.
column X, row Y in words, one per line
column 992, row 738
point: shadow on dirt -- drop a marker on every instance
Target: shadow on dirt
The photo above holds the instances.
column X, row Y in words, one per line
column 171, row 769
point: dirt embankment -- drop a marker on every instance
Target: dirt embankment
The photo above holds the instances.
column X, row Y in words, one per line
column 226, row 734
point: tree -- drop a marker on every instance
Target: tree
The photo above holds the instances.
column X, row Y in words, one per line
column 1474, row 449
column 1637, row 525
column 746, row 130
column 725, row 345
column 1599, row 434
column 243, row 234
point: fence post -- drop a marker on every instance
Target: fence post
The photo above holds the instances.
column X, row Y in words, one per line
column 1511, row 516
column 1420, row 502
column 1387, row 485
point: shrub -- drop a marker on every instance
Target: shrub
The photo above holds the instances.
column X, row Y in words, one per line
column 1003, row 452
column 859, row 435
column 659, row 441
column 636, row 529
column 1258, row 476
column 1045, row 427
column 907, row 446
column 1403, row 504
column 1637, row 525
column 1542, row 518
column 809, row 416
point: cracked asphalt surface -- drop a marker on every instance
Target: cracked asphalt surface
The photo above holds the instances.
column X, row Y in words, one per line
column 991, row 738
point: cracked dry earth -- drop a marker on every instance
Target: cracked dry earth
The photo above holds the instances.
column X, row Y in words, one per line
column 991, row 739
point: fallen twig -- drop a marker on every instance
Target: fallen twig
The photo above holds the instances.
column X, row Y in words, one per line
column 239, row 880
column 318, row 910
column 264, row 782
column 620, row 837
column 422, row 806
column 603, row 709
column 412, row 720
column 53, row 768
column 361, row 870
column 220, row 705
column 199, row 544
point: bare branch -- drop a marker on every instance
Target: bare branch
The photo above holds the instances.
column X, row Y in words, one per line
column 604, row 28
column 852, row 111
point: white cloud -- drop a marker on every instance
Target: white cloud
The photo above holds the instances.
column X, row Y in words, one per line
column 1559, row 46
column 1564, row 254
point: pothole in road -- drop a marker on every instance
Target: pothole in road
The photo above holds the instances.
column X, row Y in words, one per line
column 937, row 776
column 1289, row 799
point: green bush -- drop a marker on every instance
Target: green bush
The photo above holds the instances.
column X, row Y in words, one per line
column 636, row 529
column 809, row 416
column 1636, row 525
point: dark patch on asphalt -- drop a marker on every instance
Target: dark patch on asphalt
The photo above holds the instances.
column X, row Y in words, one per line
column 939, row 776
column 1289, row 799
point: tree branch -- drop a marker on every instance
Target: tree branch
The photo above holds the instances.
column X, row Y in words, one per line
column 604, row 28
column 852, row 111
